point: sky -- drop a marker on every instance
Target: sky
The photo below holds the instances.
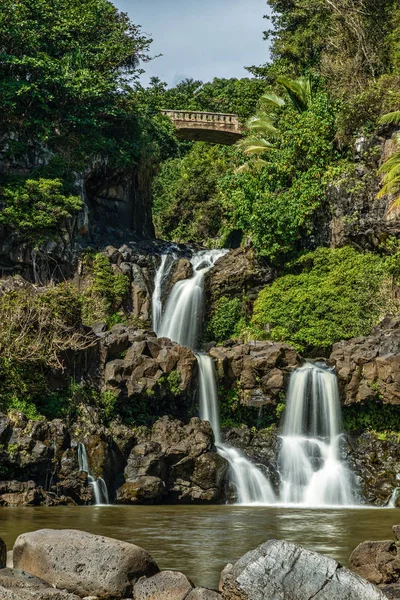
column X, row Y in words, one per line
column 201, row 39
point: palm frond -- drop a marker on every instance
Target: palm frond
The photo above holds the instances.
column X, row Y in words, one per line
column 262, row 124
column 272, row 100
column 299, row 91
column 254, row 145
column 392, row 118
column 389, row 164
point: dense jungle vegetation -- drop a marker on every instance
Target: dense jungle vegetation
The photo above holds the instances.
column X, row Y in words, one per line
column 70, row 91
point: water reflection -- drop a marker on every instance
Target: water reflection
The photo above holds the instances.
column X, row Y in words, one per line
column 200, row 540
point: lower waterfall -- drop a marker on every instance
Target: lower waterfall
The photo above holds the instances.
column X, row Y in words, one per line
column 181, row 323
column 311, row 470
column 99, row 485
column 250, row 484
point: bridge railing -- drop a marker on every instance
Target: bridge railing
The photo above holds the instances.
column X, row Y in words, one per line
column 204, row 117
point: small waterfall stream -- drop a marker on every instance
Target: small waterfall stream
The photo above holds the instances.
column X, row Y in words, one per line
column 99, row 485
column 181, row 323
column 311, row 470
column 162, row 272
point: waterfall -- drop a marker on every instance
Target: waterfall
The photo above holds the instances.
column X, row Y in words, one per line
column 99, row 485
column 311, row 470
column 181, row 323
column 164, row 269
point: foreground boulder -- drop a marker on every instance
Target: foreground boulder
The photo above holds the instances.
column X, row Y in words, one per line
column 18, row 585
column 167, row 585
column 283, row 571
column 379, row 563
column 83, row 563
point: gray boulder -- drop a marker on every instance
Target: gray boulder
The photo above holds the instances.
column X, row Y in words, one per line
column 167, row 585
column 283, row 571
column 203, row 594
column 83, row 563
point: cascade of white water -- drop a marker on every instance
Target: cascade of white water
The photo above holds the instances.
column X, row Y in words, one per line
column 250, row 484
column 99, row 485
column 311, row 470
column 164, row 269
column 181, row 322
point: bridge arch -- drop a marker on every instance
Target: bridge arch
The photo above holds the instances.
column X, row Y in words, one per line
column 217, row 128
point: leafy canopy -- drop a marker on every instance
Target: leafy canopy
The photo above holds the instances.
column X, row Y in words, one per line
column 38, row 208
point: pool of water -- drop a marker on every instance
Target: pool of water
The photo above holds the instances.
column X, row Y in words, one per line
column 199, row 541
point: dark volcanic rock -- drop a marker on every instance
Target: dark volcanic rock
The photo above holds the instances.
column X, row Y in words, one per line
column 283, row 570
column 177, row 462
column 375, row 460
column 260, row 370
column 236, row 273
column 369, row 367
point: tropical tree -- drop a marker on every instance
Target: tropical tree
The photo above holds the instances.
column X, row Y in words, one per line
column 262, row 127
column 391, row 167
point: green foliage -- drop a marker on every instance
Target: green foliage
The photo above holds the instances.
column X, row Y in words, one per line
column 64, row 64
column 360, row 113
column 174, row 383
column 226, row 321
column 233, row 413
column 37, row 209
column 274, row 207
column 349, row 42
column 339, row 294
column 106, row 292
column 371, row 416
column 186, row 205
column 239, row 96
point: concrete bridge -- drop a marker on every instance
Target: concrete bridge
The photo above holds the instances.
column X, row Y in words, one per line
column 218, row 128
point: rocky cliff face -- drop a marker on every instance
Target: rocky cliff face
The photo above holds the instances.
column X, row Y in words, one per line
column 116, row 206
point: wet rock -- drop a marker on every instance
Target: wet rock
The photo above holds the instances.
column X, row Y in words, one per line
column 167, row 585
column 283, row 570
column 224, row 574
column 376, row 561
column 3, row 554
column 15, row 578
column 175, row 461
column 144, row 490
column 19, row 585
column 38, row 594
column 83, row 563
column 203, row 594
column 236, row 273
column 259, row 370
column 375, row 461
column 391, row 591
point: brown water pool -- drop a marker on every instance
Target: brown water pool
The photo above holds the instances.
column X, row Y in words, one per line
column 200, row 540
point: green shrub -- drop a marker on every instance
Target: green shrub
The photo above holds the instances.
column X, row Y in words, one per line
column 103, row 297
column 373, row 416
column 37, row 209
column 338, row 295
column 226, row 321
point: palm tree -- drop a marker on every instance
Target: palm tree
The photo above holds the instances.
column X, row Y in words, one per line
column 299, row 90
column 262, row 126
column 391, row 167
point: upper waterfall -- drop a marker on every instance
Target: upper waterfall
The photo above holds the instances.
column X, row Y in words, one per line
column 183, row 315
